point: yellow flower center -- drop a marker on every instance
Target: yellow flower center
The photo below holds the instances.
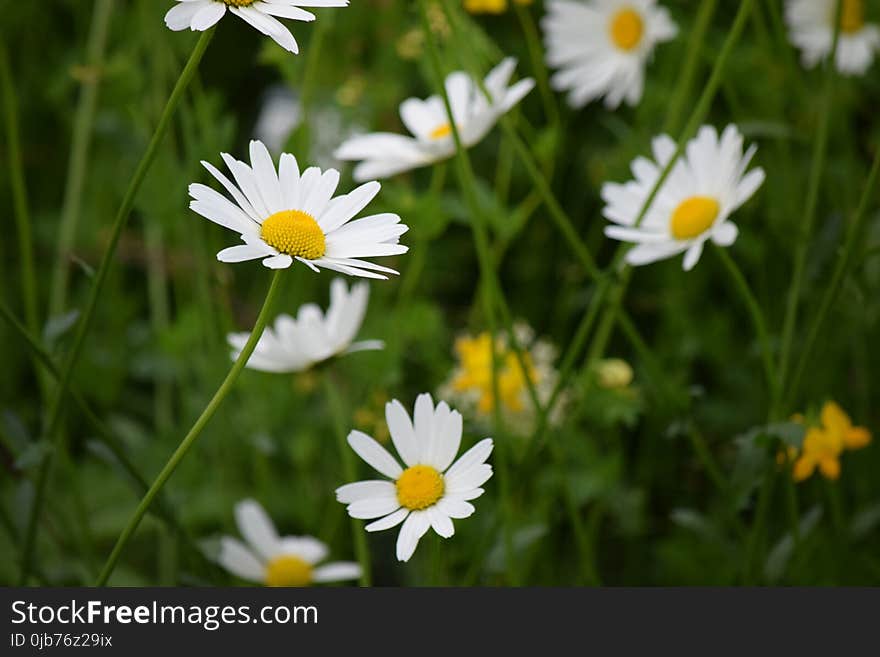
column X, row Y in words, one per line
column 239, row 3
column 694, row 217
column 852, row 16
column 419, row 487
column 441, row 131
column 295, row 233
column 288, row 570
column 627, row 29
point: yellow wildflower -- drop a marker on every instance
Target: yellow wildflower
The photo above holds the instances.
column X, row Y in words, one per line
column 839, row 424
column 820, row 449
column 823, row 445
column 491, row 6
column 475, row 356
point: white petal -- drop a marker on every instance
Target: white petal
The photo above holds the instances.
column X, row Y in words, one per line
column 239, row 560
column 361, row 490
column 374, row 454
column 389, row 521
column 414, row 527
column 307, row 548
column 373, row 507
column 337, row 572
column 441, row 523
column 402, row 434
column 257, row 528
column 474, row 456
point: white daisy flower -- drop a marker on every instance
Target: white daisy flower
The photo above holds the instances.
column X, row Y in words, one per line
column 601, row 47
column 694, row 203
column 274, row 560
column 431, row 490
column 294, row 345
column 199, row 15
column 287, row 215
column 385, row 154
column 811, row 29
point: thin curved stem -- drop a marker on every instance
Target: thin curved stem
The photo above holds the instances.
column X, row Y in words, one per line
column 533, row 43
column 689, row 68
column 837, row 278
column 55, row 412
column 84, row 119
column 820, row 150
column 699, row 113
column 196, row 430
column 19, row 193
column 757, row 316
column 349, row 466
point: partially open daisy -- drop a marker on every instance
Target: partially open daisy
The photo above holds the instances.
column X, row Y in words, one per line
column 385, row 154
column 811, row 29
column 275, row 560
column 199, row 15
column 601, row 47
column 294, row 345
column 285, row 216
column 694, row 203
column 430, row 491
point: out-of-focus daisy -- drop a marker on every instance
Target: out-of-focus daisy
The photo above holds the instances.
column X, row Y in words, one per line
column 385, row 154
column 431, row 490
column 274, row 560
column 601, row 47
column 279, row 115
column 811, row 29
column 199, row 15
column 285, row 216
column 491, row 6
column 470, row 385
column 294, row 345
column 694, row 203
column 824, row 444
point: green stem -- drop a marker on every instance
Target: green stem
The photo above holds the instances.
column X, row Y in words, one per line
column 303, row 135
column 349, row 466
column 55, row 412
column 194, row 432
column 533, row 43
column 820, row 150
column 761, row 513
column 756, row 315
column 688, row 70
column 19, row 194
column 840, row 271
column 83, row 123
column 487, row 273
column 701, row 449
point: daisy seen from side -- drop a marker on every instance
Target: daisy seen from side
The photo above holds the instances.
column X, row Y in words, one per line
column 383, row 154
column 285, row 215
column 297, row 344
